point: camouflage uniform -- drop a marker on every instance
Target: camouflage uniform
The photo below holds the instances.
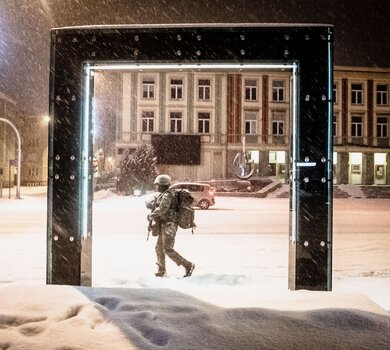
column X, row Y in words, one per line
column 166, row 214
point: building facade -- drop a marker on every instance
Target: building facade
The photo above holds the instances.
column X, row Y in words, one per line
column 231, row 109
column 34, row 145
column 361, row 126
column 8, row 142
column 34, row 131
column 227, row 110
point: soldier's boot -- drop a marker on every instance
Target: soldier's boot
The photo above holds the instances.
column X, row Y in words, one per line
column 161, row 271
column 189, row 268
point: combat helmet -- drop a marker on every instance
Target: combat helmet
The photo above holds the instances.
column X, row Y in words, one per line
column 163, row 180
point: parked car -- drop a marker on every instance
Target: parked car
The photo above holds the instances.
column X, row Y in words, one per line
column 105, row 181
column 203, row 193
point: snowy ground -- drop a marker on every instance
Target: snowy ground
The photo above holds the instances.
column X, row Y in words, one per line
column 239, row 287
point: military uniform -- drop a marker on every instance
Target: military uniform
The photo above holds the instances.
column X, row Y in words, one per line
column 165, row 214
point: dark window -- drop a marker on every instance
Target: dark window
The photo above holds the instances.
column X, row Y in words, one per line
column 382, row 95
column 278, row 90
column 176, row 89
column 381, row 127
column 175, row 122
column 204, row 89
column 204, row 123
column 357, row 126
column 250, row 90
column 357, row 94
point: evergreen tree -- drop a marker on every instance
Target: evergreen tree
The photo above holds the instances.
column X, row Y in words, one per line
column 137, row 169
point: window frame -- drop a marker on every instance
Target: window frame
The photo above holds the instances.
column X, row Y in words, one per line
column 204, row 122
column 356, row 127
column 250, row 90
column 278, row 90
column 177, row 122
column 250, row 119
column 383, row 96
column 149, row 120
column 382, row 126
column 357, row 95
column 150, row 88
column 206, row 89
column 176, row 89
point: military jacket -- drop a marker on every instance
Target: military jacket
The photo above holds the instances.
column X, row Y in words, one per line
column 166, row 207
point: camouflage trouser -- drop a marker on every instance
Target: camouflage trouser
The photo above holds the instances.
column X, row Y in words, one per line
column 165, row 244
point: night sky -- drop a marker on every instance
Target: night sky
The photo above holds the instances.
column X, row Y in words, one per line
column 362, row 30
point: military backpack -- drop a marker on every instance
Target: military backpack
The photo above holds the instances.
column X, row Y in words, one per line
column 186, row 213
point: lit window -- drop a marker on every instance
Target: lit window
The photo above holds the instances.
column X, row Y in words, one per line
column 357, row 126
column 382, row 95
column 176, row 89
column 250, row 123
column 147, row 121
column 175, row 122
column 204, row 88
column 204, row 123
column 278, row 90
column 357, row 94
column 250, row 90
column 148, row 88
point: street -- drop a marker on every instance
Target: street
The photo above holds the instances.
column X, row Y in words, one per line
column 235, row 234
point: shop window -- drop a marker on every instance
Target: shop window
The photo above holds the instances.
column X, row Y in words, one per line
column 379, row 171
column 355, row 168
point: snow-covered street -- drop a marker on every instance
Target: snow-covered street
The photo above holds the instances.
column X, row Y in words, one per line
column 236, row 299
column 241, row 244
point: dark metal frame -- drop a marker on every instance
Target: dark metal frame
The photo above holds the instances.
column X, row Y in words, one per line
column 308, row 47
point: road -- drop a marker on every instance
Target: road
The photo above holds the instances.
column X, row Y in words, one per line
column 237, row 232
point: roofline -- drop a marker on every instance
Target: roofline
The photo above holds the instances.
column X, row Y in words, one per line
column 362, row 69
column 194, row 25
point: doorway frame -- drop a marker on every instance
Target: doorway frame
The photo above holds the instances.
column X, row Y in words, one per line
column 76, row 50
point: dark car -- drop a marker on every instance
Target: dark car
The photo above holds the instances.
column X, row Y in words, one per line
column 105, row 181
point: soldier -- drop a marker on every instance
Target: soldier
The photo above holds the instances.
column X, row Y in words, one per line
column 165, row 212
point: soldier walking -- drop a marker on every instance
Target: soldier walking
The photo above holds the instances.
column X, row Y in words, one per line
column 165, row 213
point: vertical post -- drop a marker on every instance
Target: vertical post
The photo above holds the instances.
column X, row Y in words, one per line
column 19, row 152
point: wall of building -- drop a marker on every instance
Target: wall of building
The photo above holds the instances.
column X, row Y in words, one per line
column 251, row 107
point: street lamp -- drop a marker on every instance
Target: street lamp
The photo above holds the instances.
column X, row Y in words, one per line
column 19, row 155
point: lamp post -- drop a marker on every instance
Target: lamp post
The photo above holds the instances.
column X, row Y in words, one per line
column 19, row 155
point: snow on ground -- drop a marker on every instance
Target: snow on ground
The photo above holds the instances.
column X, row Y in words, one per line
column 236, row 299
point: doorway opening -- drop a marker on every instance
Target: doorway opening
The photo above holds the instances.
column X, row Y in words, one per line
column 130, row 104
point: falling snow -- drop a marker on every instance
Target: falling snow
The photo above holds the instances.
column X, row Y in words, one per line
column 236, row 299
